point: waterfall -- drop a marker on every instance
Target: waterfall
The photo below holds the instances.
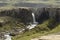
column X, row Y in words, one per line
column 32, row 25
column 34, row 21
column 7, row 37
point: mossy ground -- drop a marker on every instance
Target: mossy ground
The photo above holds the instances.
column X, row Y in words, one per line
column 41, row 29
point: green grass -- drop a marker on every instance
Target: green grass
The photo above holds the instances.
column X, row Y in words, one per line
column 39, row 30
column 24, row 37
column 28, row 35
column 7, row 24
column 55, row 30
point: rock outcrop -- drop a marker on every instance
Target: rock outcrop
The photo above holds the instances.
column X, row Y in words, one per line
column 26, row 14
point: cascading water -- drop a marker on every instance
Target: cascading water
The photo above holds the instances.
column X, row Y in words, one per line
column 34, row 22
column 7, row 37
column 31, row 26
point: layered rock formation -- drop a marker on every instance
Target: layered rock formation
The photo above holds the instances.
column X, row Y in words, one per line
column 26, row 14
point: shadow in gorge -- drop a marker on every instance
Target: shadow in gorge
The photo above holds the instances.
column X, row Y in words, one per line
column 41, row 14
column 49, row 13
column 52, row 24
column 57, row 15
column 44, row 15
column 54, row 21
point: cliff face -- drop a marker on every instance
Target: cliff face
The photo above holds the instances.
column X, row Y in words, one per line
column 25, row 15
column 17, row 18
column 47, row 13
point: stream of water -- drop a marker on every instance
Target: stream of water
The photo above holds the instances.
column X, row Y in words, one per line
column 31, row 26
column 34, row 22
column 7, row 37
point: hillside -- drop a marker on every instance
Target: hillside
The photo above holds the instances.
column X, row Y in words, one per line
column 16, row 20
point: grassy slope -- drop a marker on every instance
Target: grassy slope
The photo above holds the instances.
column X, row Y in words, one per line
column 33, row 34
column 10, row 24
column 41, row 29
column 55, row 30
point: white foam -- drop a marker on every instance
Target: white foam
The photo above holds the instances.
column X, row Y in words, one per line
column 31, row 26
column 7, row 37
column 34, row 22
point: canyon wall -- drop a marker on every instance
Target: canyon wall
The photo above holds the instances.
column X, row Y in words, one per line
column 25, row 15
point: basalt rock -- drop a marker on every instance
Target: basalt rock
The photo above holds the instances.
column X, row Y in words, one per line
column 25, row 15
column 20, row 13
column 47, row 13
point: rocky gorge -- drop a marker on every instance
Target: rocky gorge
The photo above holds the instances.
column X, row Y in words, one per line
column 15, row 20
